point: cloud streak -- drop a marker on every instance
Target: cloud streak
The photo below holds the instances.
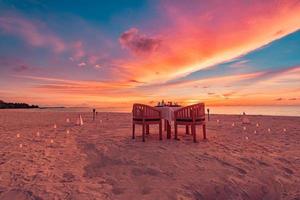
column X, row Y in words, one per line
column 31, row 33
column 203, row 33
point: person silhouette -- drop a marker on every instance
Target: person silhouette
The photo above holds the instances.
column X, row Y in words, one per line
column 245, row 119
column 94, row 114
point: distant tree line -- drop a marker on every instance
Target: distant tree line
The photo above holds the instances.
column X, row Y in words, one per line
column 4, row 105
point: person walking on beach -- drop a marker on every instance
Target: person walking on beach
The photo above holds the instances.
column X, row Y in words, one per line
column 94, row 114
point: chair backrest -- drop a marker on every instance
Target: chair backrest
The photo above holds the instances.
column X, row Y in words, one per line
column 141, row 111
column 196, row 111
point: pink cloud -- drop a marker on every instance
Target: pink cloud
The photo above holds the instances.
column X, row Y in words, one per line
column 82, row 64
column 200, row 34
column 78, row 50
column 37, row 34
column 274, row 74
column 86, row 55
column 32, row 33
column 138, row 43
column 16, row 64
column 21, row 68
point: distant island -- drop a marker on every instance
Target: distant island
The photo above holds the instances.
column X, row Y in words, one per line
column 4, row 105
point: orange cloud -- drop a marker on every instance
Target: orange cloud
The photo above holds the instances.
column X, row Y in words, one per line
column 73, row 91
column 201, row 34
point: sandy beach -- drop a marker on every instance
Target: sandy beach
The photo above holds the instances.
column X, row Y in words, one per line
column 99, row 160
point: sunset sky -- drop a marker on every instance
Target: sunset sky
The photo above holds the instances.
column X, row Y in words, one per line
column 114, row 53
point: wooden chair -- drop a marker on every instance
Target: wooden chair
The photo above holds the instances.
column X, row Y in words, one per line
column 190, row 116
column 145, row 115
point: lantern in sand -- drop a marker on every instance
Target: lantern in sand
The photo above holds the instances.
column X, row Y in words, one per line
column 38, row 134
column 255, row 131
column 20, row 145
column 233, row 124
column 245, row 119
column 244, row 128
column 257, row 125
column 54, row 126
column 67, row 120
column 68, row 131
column 246, row 138
column 284, row 130
column 51, row 141
column 18, row 135
column 79, row 121
column 269, row 130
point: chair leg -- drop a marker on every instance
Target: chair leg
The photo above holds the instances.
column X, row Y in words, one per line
column 194, row 132
column 175, row 130
column 187, row 130
column 143, row 129
column 204, row 131
column 148, row 129
column 165, row 125
column 133, row 131
column 160, row 130
column 168, row 130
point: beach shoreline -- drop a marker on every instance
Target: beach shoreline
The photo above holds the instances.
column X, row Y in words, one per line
column 99, row 160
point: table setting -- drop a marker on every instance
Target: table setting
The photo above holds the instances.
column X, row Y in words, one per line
column 167, row 114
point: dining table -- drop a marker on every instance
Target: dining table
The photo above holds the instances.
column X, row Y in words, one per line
column 167, row 114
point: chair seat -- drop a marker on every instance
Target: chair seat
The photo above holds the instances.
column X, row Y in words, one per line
column 190, row 120
column 147, row 119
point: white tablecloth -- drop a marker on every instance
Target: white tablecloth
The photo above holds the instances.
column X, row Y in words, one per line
column 168, row 112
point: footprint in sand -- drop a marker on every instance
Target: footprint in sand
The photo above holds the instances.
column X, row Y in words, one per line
column 118, row 190
column 262, row 163
column 283, row 160
column 246, row 160
column 240, row 170
column 146, row 171
column 68, row 177
column 146, row 190
column 287, row 170
column 193, row 190
column 18, row 194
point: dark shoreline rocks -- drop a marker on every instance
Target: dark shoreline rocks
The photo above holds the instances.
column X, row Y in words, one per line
column 4, row 105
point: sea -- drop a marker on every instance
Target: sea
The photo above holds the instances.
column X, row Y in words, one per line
column 236, row 110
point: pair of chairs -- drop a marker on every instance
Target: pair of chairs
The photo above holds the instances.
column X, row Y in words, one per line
column 189, row 116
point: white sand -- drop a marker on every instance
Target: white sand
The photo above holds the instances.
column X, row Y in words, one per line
column 101, row 161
